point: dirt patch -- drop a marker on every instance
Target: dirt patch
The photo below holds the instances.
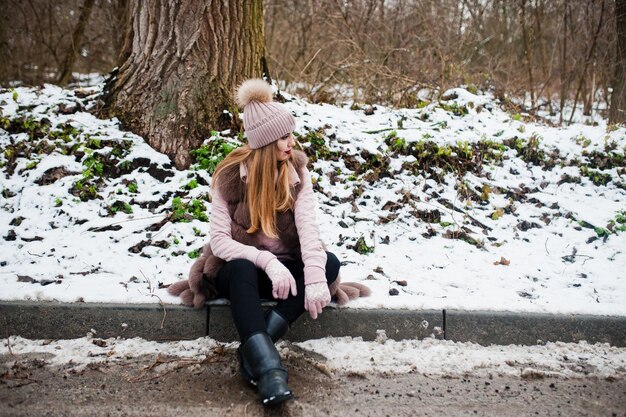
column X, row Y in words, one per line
column 211, row 386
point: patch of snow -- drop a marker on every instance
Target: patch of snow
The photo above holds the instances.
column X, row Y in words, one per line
column 353, row 355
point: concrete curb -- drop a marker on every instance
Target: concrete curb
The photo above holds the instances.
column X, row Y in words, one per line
column 504, row 328
column 397, row 324
column 51, row 320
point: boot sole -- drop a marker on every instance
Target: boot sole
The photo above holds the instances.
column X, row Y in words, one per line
column 277, row 399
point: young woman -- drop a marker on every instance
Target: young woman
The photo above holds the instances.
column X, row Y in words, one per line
column 265, row 242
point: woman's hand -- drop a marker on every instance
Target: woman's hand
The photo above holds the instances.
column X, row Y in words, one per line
column 282, row 280
column 316, row 297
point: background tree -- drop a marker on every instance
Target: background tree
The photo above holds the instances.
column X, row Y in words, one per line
column 77, row 38
column 36, row 36
column 617, row 113
column 395, row 53
column 180, row 64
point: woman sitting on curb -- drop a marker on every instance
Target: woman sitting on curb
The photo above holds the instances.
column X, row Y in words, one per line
column 265, row 242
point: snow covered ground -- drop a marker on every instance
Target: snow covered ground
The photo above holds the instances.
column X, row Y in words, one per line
column 457, row 204
column 353, row 355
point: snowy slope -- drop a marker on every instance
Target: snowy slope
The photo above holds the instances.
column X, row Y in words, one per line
column 458, row 204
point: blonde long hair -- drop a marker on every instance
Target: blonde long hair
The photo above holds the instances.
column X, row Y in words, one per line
column 267, row 189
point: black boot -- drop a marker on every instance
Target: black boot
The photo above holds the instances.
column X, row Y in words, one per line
column 277, row 326
column 261, row 354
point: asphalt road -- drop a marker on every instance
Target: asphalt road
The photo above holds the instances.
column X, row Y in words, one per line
column 151, row 386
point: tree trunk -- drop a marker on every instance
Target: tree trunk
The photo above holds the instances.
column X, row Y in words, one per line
column 6, row 70
column 564, row 75
column 77, row 39
column 117, row 12
column 617, row 112
column 528, row 55
column 179, row 67
column 583, row 74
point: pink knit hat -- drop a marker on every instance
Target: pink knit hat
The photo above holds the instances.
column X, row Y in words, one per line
column 264, row 120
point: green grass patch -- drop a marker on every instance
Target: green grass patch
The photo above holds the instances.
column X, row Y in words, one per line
column 597, row 177
column 132, row 187
column 316, row 147
column 361, row 247
column 454, row 108
column 433, row 159
column 120, row 206
column 191, row 184
column 208, row 156
column 181, row 211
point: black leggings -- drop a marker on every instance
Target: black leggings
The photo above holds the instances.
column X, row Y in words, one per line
column 245, row 285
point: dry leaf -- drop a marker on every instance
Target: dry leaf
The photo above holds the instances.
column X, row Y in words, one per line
column 99, row 342
column 502, row 261
column 25, row 278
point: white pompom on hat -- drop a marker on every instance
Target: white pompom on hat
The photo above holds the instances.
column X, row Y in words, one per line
column 264, row 121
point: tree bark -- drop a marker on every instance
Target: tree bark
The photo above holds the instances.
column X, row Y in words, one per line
column 564, row 75
column 5, row 55
column 179, row 67
column 617, row 112
column 587, row 62
column 117, row 11
column 528, row 55
column 77, row 39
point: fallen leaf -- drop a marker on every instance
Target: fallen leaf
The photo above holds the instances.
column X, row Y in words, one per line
column 99, row 342
column 25, row 278
column 502, row 261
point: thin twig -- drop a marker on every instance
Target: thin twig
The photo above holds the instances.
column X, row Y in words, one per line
column 182, row 364
column 159, row 361
column 151, row 289
column 322, row 368
column 311, row 60
column 454, row 208
column 164, row 309
column 129, row 220
column 142, row 379
column 8, row 337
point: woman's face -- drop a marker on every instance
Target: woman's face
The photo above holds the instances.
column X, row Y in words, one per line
column 283, row 147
